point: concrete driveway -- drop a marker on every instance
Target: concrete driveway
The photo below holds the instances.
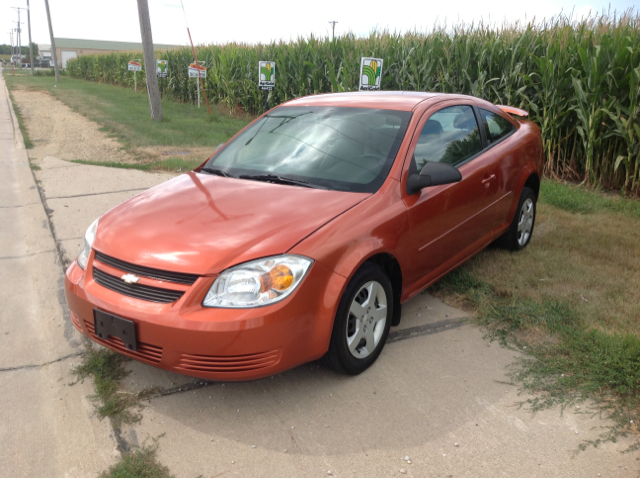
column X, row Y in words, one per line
column 436, row 395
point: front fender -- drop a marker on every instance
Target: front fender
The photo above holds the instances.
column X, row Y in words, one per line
column 377, row 225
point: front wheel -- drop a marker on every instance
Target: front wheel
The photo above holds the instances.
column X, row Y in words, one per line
column 362, row 322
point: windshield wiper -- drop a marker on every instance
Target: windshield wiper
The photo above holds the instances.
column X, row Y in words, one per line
column 280, row 180
column 215, row 171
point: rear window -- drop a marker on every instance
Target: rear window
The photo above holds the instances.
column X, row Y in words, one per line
column 495, row 126
column 350, row 149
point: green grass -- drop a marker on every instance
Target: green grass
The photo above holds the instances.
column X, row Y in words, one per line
column 577, row 199
column 125, row 114
column 107, row 369
column 25, row 134
column 170, row 164
column 139, row 463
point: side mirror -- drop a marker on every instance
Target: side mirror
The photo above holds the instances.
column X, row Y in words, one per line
column 432, row 174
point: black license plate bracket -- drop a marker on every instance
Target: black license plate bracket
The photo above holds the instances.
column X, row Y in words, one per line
column 109, row 325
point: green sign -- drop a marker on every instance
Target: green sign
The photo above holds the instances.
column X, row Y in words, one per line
column 162, row 68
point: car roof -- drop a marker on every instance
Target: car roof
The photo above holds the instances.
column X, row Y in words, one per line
column 385, row 100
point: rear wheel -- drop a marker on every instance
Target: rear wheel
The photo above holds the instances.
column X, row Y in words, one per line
column 362, row 322
column 519, row 233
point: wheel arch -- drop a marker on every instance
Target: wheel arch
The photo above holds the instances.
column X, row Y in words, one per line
column 391, row 267
column 533, row 182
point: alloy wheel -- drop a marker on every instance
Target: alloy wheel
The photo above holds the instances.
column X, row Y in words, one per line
column 525, row 224
column 367, row 319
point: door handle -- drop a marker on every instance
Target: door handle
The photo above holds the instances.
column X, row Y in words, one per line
column 488, row 180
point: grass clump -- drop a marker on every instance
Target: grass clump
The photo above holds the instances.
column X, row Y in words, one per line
column 139, row 463
column 107, row 369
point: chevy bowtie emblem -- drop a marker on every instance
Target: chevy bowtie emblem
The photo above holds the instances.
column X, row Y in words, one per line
column 130, row 278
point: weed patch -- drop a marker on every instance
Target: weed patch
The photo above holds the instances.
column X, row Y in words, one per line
column 107, row 369
column 139, row 463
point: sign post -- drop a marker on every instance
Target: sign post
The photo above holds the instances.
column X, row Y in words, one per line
column 266, row 79
column 370, row 74
column 197, row 70
column 162, row 67
column 135, row 66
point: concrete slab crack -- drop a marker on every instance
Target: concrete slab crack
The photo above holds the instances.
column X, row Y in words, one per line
column 424, row 329
column 28, row 254
column 35, row 366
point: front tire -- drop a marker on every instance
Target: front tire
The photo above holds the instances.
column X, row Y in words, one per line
column 362, row 322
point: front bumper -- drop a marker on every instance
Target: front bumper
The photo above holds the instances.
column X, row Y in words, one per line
column 214, row 343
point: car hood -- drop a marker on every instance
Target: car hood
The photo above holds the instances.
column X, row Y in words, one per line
column 202, row 224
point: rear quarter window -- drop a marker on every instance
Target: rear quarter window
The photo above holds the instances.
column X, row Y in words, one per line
column 495, row 126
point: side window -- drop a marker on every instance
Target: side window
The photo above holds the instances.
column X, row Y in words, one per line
column 495, row 126
column 450, row 136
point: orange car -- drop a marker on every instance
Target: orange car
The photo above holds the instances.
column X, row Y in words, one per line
column 302, row 236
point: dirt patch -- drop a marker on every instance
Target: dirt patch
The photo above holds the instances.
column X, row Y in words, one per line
column 56, row 130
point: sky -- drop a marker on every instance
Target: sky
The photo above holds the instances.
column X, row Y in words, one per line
column 249, row 21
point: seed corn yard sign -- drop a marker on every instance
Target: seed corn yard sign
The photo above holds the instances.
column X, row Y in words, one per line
column 267, row 75
column 197, row 70
column 370, row 73
column 135, row 66
column 162, row 67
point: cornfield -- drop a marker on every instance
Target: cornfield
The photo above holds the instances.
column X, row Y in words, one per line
column 580, row 81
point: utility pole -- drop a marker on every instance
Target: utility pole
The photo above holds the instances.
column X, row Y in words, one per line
column 30, row 45
column 19, row 35
column 54, row 55
column 149, row 61
column 333, row 29
column 18, row 50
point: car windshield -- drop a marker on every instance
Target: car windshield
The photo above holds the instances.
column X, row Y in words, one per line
column 349, row 149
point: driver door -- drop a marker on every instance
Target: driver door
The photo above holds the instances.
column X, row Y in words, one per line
column 449, row 222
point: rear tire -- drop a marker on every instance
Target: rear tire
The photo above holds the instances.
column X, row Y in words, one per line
column 362, row 322
column 520, row 230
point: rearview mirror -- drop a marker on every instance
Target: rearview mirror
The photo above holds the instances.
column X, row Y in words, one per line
column 433, row 174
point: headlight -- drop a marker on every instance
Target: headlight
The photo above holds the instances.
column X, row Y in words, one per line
column 257, row 283
column 89, row 237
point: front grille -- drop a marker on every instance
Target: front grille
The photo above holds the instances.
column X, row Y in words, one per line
column 228, row 364
column 140, row 291
column 181, row 278
column 145, row 352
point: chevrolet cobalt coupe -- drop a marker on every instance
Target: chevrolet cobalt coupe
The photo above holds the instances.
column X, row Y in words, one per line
column 301, row 237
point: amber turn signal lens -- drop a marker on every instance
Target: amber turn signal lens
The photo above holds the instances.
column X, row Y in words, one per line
column 280, row 277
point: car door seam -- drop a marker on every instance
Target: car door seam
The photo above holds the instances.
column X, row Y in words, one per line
column 460, row 224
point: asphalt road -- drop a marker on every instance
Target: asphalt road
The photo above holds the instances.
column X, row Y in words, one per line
column 436, row 395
